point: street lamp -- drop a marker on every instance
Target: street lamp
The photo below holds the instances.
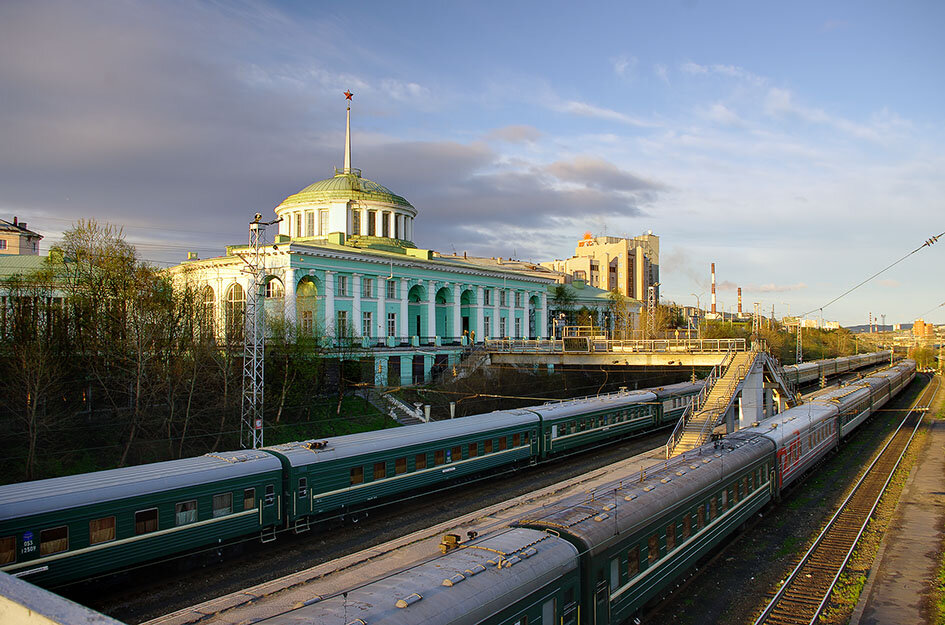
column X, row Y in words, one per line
column 698, row 313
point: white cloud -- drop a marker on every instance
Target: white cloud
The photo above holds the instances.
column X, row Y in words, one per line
column 405, row 91
column 624, row 64
column 661, row 72
column 515, row 134
column 780, row 103
column 721, row 114
column 731, row 71
column 589, row 110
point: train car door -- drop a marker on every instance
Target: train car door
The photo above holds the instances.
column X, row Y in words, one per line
column 602, row 600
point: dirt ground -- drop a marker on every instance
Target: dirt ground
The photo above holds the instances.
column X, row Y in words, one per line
column 745, row 574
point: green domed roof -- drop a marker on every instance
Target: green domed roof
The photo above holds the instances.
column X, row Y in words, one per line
column 345, row 186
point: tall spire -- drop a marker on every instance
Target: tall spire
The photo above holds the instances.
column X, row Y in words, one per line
column 347, row 168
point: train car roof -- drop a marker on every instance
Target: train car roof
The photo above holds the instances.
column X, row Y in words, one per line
column 594, row 518
column 584, row 405
column 72, row 491
column 680, row 388
column 477, row 589
column 300, row 453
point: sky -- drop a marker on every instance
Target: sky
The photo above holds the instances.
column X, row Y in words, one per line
column 799, row 146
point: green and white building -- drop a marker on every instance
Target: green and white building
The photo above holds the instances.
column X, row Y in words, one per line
column 344, row 266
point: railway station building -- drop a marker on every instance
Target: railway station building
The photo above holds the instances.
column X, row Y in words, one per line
column 344, row 266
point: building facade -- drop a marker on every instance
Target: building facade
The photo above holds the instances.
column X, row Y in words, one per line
column 629, row 265
column 344, row 267
column 16, row 239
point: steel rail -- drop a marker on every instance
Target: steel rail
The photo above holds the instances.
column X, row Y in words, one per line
column 786, row 585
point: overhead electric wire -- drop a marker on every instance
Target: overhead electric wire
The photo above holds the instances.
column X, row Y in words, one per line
column 928, row 243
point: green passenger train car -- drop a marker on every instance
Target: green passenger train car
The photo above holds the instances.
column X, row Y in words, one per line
column 346, row 473
column 56, row 530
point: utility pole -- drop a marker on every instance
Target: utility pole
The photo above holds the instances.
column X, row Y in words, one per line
column 254, row 343
column 651, row 311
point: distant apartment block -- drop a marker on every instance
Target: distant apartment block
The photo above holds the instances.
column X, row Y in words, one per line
column 923, row 330
column 15, row 238
column 629, row 265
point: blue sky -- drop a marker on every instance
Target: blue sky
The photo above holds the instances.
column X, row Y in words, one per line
column 799, row 146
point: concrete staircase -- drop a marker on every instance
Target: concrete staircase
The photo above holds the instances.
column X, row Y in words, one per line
column 702, row 417
column 397, row 410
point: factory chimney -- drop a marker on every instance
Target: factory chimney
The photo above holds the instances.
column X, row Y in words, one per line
column 713, row 288
column 739, row 301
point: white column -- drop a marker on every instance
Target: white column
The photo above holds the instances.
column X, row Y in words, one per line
column 457, row 313
column 480, row 322
column 390, row 223
column 379, row 222
column 349, row 210
column 510, row 324
column 364, row 218
column 543, row 315
column 356, row 304
column 409, row 234
column 289, row 299
column 330, row 303
column 431, row 309
column 404, row 289
column 381, row 324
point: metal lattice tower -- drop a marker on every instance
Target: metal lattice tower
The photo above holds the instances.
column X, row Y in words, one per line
column 756, row 320
column 799, row 354
column 254, row 345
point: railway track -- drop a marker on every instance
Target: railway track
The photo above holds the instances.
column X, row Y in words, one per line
column 805, row 593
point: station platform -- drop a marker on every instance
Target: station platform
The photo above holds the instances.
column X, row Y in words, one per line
column 900, row 583
column 277, row 596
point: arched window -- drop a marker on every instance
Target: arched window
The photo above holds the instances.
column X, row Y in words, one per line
column 305, row 303
column 274, row 289
column 235, row 308
column 208, row 308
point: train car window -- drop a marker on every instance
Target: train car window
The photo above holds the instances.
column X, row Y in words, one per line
column 525, row 438
column 473, row 450
column 713, row 508
column 249, row 498
column 146, row 521
column 303, row 487
column 745, row 485
column 400, row 466
column 54, row 540
column 614, row 574
column 270, row 494
column 488, row 446
column 725, row 499
column 701, row 519
column 101, row 530
column 522, row 620
column 670, row 536
column 516, row 440
column 7, row 549
column 686, row 526
column 458, row 453
column 357, row 475
column 633, row 562
column 503, row 443
column 549, row 611
column 185, row 512
column 222, row 504
column 439, row 457
column 380, row 470
column 420, row 461
column 653, row 549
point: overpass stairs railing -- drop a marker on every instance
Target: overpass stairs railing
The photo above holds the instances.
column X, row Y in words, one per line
column 704, row 413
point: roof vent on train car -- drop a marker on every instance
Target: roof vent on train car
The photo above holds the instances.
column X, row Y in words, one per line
column 510, row 562
column 311, row 601
column 454, row 579
column 475, row 569
column 693, row 466
column 603, row 516
column 357, row 621
column 649, row 487
column 681, row 472
column 316, row 445
column 630, row 497
column 666, row 480
column 408, row 600
column 609, row 507
column 706, row 460
column 528, row 552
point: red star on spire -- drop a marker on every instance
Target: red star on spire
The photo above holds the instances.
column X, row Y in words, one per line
column 348, row 95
